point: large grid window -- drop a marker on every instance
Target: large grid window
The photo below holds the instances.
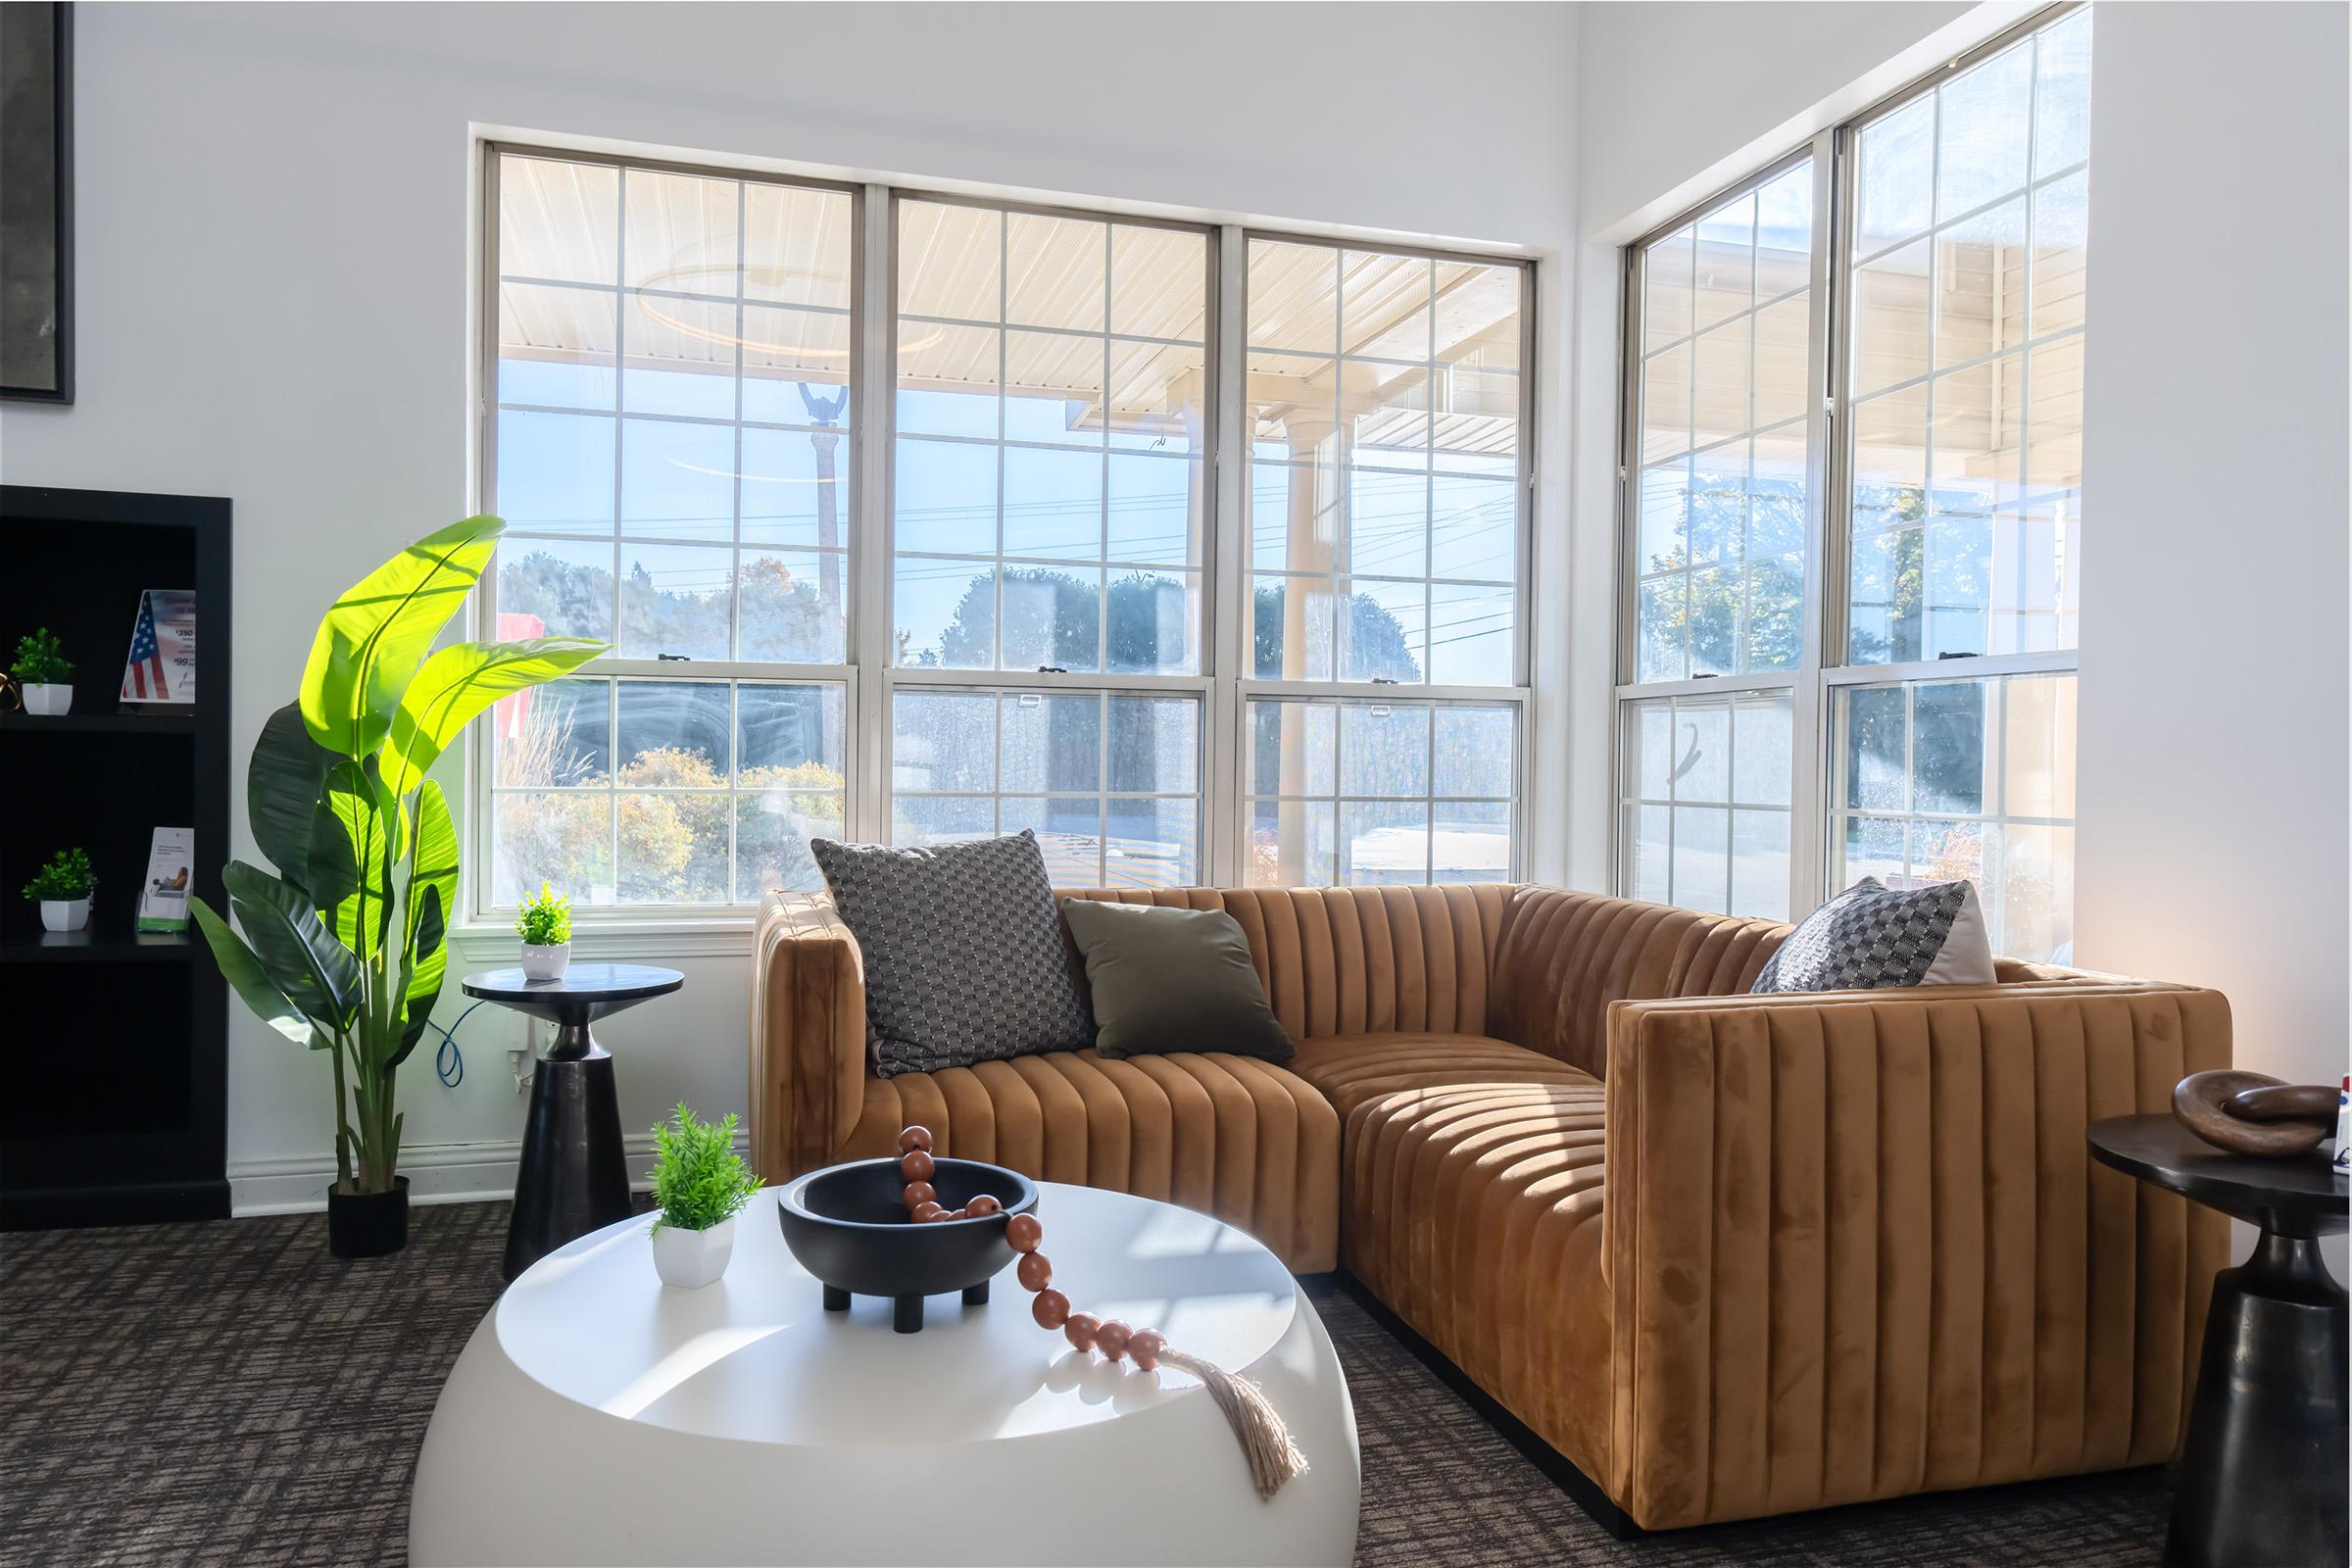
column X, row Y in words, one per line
column 658, row 792
column 1941, row 780
column 1360, row 793
column 1047, row 479
column 672, row 450
column 1705, row 801
column 1720, row 547
column 688, row 496
column 1951, row 223
column 1109, row 782
column 904, row 517
column 1966, row 359
column 1384, row 401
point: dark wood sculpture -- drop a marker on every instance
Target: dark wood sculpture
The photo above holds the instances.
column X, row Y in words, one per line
column 2253, row 1114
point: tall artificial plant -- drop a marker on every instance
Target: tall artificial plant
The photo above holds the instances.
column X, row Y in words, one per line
column 344, row 949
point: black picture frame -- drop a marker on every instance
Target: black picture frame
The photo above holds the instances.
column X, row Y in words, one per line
column 36, row 210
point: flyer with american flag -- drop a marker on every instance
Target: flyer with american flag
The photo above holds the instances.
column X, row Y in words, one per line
column 162, row 667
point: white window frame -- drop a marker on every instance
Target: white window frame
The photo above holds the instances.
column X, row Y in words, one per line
column 1235, row 588
column 897, row 677
column 1222, row 685
column 481, row 906
column 1829, row 437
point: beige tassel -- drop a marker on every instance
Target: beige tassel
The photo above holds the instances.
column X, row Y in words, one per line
column 1273, row 1457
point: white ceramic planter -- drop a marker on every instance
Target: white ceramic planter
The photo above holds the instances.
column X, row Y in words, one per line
column 546, row 963
column 692, row 1259
column 63, row 914
column 50, row 699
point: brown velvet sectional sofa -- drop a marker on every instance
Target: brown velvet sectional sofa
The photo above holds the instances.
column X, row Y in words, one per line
column 1851, row 1245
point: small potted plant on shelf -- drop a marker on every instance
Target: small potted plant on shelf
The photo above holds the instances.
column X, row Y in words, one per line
column 701, row 1182
column 43, row 675
column 63, row 887
column 545, row 925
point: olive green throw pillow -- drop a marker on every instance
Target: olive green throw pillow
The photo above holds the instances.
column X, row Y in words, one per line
column 1172, row 980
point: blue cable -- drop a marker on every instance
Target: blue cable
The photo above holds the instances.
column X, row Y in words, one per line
column 448, row 1062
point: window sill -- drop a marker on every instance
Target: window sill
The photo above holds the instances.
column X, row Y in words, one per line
column 727, row 937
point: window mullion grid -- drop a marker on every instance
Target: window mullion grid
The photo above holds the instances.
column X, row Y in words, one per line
column 996, row 777
column 1226, row 640
column 620, row 370
column 874, row 533
column 735, row 878
column 1103, row 708
column 1102, row 505
column 1003, row 424
column 735, row 482
column 1343, row 501
column 1827, row 558
column 1429, row 778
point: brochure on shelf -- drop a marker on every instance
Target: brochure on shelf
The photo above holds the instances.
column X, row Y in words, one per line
column 162, row 667
column 171, row 862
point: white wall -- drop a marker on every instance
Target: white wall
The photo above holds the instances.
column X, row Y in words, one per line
column 2213, row 775
column 274, row 293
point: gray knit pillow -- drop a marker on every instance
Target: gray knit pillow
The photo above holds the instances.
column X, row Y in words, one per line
column 962, row 947
column 1869, row 936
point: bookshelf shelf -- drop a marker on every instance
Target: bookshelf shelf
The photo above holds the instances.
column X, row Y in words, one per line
column 117, row 1112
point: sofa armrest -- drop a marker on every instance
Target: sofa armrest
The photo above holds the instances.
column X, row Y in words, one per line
column 807, row 1035
column 1857, row 1246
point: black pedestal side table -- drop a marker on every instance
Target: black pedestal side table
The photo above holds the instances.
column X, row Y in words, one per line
column 574, row 1177
column 2262, row 1475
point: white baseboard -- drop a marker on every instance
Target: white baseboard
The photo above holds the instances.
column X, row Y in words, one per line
column 437, row 1173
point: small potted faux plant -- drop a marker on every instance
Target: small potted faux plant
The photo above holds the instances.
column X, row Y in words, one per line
column 545, row 925
column 42, row 673
column 63, row 887
column 701, row 1182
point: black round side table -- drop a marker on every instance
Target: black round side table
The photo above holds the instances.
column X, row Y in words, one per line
column 574, row 1176
column 2262, row 1475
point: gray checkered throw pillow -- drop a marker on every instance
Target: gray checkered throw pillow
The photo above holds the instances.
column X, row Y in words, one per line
column 962, row 947
column 1870, row 937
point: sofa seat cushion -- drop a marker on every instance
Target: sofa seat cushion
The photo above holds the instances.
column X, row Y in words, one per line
column 1470, row 1203
column 1231, row 1136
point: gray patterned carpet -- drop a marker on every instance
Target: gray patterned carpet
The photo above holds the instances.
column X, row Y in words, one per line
column 229, row 1393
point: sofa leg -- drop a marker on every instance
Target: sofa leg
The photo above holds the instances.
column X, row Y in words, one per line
column 1583, row 1491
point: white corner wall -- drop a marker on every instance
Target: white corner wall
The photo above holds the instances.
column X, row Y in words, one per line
column 274, row 255
column 2211, row 846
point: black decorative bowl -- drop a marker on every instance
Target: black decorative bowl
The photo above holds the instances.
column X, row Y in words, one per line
column 849, row 1226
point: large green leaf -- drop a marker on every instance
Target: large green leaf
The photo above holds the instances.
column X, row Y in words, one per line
column 282, row 783
column 302, row 958
column 245, row 974
column 354, row 840
column 432, row 893
column 460, row 681
column 369, row 644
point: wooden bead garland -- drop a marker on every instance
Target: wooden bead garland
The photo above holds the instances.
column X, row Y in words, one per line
column 1273, row 1457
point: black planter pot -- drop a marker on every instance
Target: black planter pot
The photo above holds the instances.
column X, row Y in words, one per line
column 367, row 1224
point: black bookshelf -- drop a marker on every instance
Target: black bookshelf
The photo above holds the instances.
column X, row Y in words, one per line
column 117, row 1041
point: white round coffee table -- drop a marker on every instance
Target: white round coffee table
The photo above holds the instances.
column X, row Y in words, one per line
column 599, row 1417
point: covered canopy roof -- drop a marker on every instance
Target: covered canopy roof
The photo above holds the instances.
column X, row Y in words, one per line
column 682, row 250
